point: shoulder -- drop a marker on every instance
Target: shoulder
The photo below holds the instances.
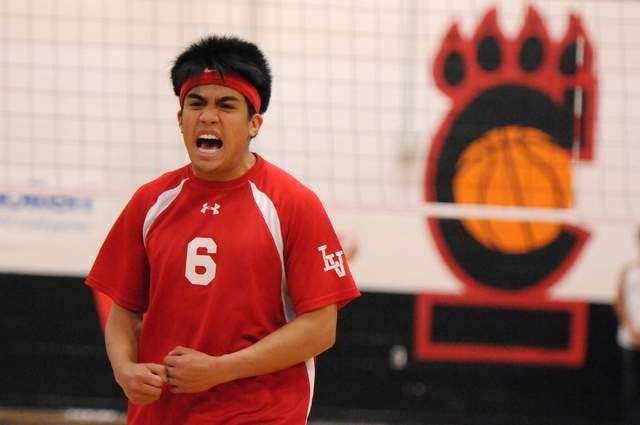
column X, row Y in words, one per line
column 148, row 193
column 284, row 189
column 167, row 181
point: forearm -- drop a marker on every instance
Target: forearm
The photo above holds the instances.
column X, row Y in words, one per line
column 630, row 318
column 121, row 336
column 141, row 382
column 305, row 337
column 633, row 328
column 622, row 307
column 628, row 324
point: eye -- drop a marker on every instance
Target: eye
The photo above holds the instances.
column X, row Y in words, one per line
column 195, row 104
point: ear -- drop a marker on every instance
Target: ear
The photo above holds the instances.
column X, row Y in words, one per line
column 254, row 125
column 179, row 115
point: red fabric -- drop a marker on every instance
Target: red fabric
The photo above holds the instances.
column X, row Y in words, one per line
column 232, row 81
column 241, row 304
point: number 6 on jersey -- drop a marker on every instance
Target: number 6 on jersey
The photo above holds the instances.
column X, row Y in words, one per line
column 197, row 262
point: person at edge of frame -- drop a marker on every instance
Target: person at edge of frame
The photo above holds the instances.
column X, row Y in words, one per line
column 226, row 274
column 627, row 308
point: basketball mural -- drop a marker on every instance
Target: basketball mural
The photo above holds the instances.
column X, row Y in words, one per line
column 522, row 109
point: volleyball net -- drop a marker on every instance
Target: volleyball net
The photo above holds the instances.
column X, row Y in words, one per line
column 406, row 108
column 356, row 106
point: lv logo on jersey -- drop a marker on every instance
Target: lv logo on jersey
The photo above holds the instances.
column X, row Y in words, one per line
column 215, row 209
column 330, row 263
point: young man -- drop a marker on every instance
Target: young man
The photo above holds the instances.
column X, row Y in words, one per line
column 226, row 274
column 627, row 307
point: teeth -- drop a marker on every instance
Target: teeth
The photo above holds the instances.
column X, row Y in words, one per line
column 208, row 142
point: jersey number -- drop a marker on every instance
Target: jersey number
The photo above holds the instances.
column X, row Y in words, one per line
column 200, row 269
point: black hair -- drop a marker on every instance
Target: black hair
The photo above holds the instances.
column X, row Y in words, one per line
column 225, row 55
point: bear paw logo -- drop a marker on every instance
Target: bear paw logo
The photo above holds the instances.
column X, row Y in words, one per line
column 522, row 110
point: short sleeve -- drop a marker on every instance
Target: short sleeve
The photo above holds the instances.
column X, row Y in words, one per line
column 316, row 269
column 121, row 269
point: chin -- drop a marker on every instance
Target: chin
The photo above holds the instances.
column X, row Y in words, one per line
column 203, row 170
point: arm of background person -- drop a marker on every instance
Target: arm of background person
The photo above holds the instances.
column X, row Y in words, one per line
column 141, row 382
column 618, row 304
column 306, row 336
column 631, row 300
column 622, row 306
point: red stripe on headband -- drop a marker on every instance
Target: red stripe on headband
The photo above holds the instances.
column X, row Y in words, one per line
column 232, row 81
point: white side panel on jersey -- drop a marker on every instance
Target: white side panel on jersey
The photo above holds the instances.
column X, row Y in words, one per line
column 270, row 215
column 164, row 200
column 268, row 210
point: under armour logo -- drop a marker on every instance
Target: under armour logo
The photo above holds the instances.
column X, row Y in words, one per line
column 215, row 209
column 332, row 261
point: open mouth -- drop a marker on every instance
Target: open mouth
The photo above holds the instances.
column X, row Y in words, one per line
column 208, row 142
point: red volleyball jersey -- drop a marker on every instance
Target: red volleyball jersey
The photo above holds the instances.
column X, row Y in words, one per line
column 216, row 266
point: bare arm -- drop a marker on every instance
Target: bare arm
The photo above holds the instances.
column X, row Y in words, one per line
column 620, row 307
column 141, row 382
column 303, row 338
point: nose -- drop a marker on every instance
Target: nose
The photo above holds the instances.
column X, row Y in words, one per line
column 208, row 115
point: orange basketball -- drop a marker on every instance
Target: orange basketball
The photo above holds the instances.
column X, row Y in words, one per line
column 513, row 166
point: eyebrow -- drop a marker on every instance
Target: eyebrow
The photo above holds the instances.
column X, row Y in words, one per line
column 204, row 99
column 197, row 97
column 229, row 99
